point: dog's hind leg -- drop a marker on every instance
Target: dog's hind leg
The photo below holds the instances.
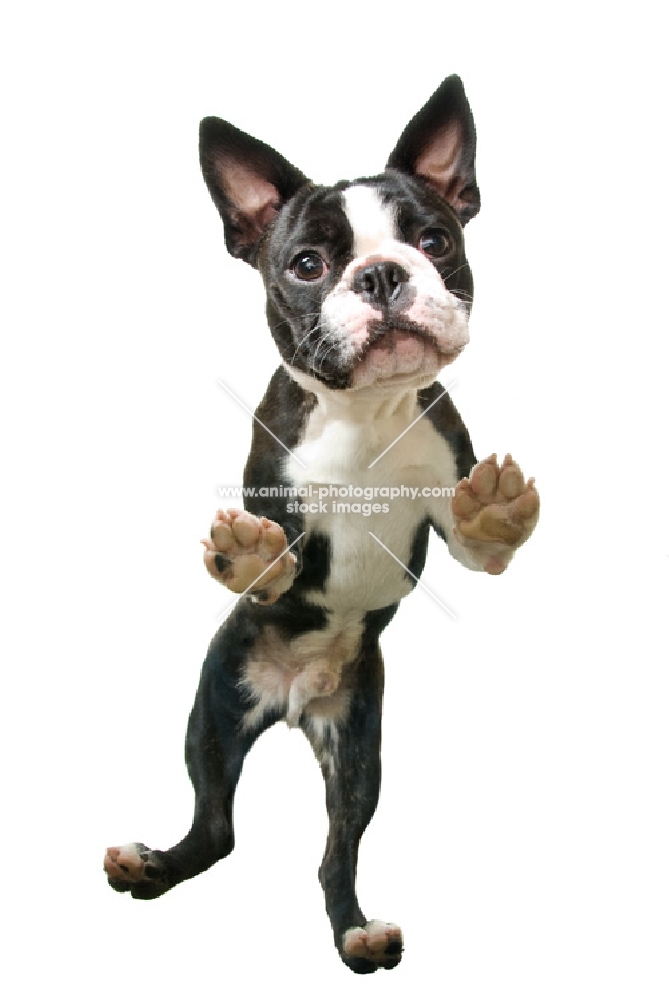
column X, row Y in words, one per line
column 216, row 744
column 349, row 755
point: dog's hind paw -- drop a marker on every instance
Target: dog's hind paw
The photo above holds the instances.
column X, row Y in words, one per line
column 246, row 552
column 377, row 945
column 494, row 512
column 135, row 869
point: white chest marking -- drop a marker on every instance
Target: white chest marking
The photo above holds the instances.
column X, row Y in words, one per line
column 341, row 440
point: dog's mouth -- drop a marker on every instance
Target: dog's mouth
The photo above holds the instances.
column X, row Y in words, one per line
column 393, row 335
column 390, row 350
column 396, row 349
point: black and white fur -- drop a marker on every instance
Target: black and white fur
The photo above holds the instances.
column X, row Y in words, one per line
column 368, row 297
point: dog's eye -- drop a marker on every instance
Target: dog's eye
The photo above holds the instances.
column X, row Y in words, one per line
column 434, row 243
column 308, row 266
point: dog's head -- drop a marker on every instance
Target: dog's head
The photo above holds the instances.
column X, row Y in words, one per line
column 367, row 281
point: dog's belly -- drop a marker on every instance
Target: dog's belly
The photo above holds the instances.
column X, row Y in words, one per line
column 287, row 675
column 308, row 673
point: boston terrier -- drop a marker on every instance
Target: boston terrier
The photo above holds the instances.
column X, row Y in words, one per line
column 357, row 453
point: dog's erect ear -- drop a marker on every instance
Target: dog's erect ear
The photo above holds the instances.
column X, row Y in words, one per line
column 439, row 145
column 248, row 181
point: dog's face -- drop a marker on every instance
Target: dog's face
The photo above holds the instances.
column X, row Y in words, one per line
column 367, row 282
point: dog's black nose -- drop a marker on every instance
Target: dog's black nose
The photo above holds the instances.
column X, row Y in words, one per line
column 381, row 283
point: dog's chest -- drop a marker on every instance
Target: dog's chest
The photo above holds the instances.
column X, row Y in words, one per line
column 369, row 473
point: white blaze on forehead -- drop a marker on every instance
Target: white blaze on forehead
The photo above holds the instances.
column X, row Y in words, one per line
column 372, row 222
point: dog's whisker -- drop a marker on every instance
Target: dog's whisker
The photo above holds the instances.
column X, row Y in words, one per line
column 301, row 342
column 455, row 270
column 310, row 332
column 332, row 347
column 328, row 336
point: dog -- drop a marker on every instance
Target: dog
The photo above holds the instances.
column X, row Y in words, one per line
column 368, row 297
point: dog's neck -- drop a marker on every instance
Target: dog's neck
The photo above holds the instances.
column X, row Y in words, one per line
column 366, row 404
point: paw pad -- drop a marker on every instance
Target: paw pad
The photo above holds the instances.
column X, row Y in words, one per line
column 136, row 869
column 245, row 552
column 495, row 511
column 377, row 943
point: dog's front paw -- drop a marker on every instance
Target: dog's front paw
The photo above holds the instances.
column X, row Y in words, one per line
column 377, row 945
column 246, row 552
column 494, row 512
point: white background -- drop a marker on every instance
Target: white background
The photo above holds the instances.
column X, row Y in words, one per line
column 522, row 835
